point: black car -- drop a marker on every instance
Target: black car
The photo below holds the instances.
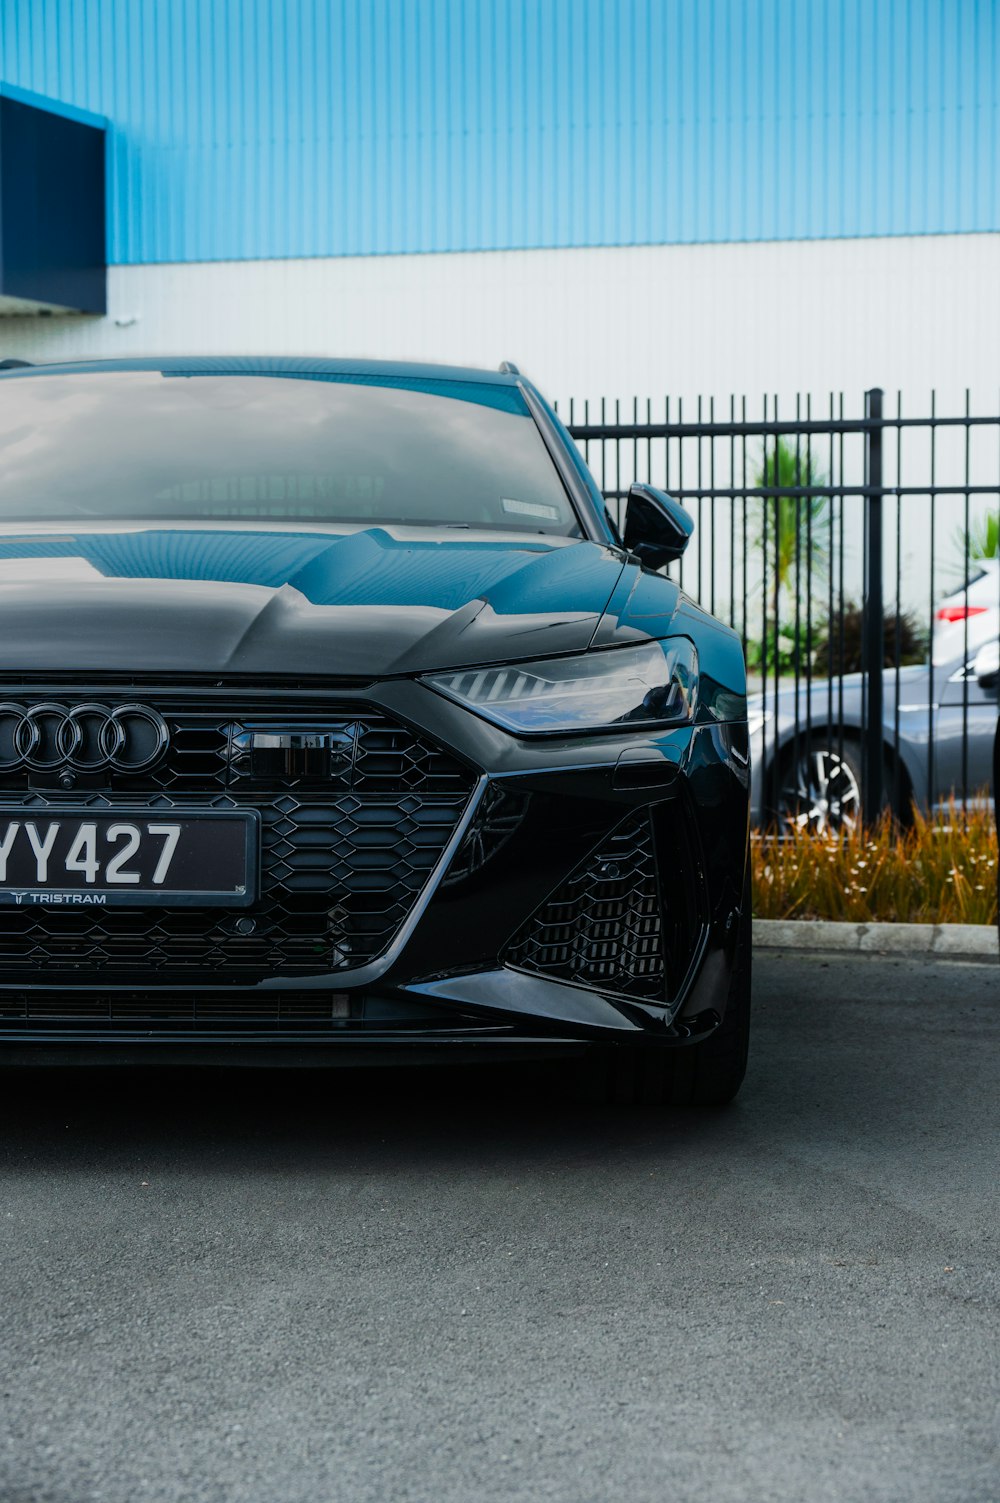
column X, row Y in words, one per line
column 336, row 716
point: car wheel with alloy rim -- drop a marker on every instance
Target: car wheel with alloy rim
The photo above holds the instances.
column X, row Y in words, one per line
column 819, row 789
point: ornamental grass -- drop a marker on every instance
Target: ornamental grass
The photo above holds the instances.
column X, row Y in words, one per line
column 938, row 869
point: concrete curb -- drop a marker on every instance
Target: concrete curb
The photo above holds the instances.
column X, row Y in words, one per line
column 944, row 941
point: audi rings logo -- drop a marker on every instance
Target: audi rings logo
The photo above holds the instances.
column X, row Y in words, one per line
column 84, row 738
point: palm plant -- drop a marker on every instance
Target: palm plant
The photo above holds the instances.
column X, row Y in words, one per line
column 794, row 518
column 791, row 531
column 982, row 540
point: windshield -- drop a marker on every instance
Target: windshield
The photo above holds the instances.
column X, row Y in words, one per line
column 174, row 446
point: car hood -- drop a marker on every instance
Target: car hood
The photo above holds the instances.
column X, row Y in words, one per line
column 357, row 602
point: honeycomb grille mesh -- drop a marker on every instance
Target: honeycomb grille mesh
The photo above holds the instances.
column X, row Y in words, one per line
column 346, row 849
column 339, row 878
column 367, row 752
column 603, row 927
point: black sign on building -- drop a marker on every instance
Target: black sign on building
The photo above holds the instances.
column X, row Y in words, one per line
column 52, row 209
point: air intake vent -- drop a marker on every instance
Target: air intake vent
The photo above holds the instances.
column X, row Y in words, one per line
column 604, row 926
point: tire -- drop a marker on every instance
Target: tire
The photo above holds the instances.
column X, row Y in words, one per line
column 706, row 1074
column 820, row 791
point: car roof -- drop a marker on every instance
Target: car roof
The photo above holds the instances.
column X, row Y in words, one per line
column 263, row 365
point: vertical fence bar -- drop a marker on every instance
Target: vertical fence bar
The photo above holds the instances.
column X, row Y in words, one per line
column 699, row 530
column 966, row 571
column 712, row 507
column 873, row 648
column 732, row 521
column 745, row 616
column 680, row 471
column 618, row 455
column 604, row 452
column 808, row 656
column 842, row 625
column 586, row 442
column 649, row 441
column 796, row 561
column 635, row 442
column 777, row 582
column 897, row 644
column 833, row 653
column 763, row 582
column 932, row 487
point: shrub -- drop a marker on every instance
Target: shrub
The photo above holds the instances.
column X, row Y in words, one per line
column 939, row 869
column 841, row 650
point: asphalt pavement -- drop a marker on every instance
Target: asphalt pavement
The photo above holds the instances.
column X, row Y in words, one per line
column 395, row 1286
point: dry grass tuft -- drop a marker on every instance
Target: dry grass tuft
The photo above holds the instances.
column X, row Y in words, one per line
column 941, row 869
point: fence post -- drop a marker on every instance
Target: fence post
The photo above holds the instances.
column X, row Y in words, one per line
column 873, row 635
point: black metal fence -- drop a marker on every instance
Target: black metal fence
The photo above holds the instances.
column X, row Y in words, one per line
column 859, row 557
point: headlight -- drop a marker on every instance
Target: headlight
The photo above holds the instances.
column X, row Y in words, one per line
column 619, row 688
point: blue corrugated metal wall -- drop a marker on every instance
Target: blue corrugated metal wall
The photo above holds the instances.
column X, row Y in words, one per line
column 272, row 128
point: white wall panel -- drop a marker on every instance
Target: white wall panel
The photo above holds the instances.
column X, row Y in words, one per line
column 907, row 313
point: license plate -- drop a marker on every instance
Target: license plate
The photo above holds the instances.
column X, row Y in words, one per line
column 78, row 858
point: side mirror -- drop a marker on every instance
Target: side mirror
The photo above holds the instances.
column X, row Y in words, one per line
column 657, row 528
column 986, row 666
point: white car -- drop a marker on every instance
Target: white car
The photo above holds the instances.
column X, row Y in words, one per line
column 974, row 608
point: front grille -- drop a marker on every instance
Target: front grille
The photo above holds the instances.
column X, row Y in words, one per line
column 212, row 748
column 191, row 1008
column 346, row 848
column 89, row 1012
column 603, row 927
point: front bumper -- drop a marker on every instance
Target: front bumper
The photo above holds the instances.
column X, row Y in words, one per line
column 458, row 975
